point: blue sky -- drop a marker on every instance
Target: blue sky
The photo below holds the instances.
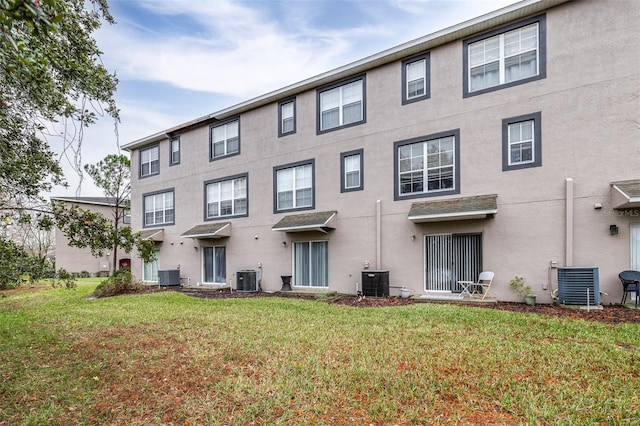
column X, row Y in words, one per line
column 181, row 59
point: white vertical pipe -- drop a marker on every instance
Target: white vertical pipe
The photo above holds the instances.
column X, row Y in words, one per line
column 378, row 244
column 569, row 223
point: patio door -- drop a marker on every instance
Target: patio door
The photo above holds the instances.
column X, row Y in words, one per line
column 450, row 258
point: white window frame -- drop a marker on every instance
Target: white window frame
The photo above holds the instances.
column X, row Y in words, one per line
column 159, row 202
column 309, row 281
column 174, row 151
column 412, row 159
column 531, row 141
column 505, row 56
column 342, row 101
column 351, row 163
column 298, row 183
column 150, row 157
column 420, row 76
column 216, row 190
column 231, row 131
column 287, row 115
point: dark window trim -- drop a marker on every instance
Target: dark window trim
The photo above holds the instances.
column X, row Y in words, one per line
column 537, row 146
column 295, row 121
column 222, row 123
column 362, row 77
column 427, row 78
column 162, row 191
column 223, row 179
column 396, row 177
column 171, row 140
column 146, row 148
column 343, row 185
column 312, row 162
column 542, row 50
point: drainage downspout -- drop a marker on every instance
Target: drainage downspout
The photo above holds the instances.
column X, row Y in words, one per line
column 569, row 223
column 378, row 244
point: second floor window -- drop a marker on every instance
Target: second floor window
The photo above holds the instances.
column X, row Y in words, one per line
column 341, row 105
column 159, row 209
column 226, row 197
column 521, row 142
column 294, row 187
column 351, row 168
column 150, row 161
column 175, row 151
column 225, row 139
column 427, row 166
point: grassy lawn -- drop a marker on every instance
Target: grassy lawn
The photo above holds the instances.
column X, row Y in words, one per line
column 165, row 358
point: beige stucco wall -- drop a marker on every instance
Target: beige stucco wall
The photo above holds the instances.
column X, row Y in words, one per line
column 77, row 260
column 589, row 106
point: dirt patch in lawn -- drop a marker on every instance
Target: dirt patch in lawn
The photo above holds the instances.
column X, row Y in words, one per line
column 612, row 314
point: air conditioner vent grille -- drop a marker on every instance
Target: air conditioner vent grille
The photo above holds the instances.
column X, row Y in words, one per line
column 579, row 286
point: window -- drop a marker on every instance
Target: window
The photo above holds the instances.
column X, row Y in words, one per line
column 415, row 79
column 225, row 139
column 341, row 105
column 427, row 166
column 226, row 197
column 175, row 151
column 150, row 269
column 521, row 142
column 294, row 186
column 150, row 161
column 214, row 265
column 352, row 172
column 126, row 216
column 311, row 264
column 158, row 208
column 505, row 57
column 287, row 117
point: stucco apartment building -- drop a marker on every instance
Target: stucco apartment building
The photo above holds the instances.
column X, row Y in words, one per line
column 507, row 143
column 77, row 260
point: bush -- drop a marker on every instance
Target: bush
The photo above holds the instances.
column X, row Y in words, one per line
column 121, row 282
column 85, row 274
column 64, row 279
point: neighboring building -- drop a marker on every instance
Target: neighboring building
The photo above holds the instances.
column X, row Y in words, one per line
column 76, row 260
column 490, row 145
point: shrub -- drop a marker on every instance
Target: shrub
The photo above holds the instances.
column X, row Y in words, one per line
column 519, row 286
column 85, row 274
column 64, row 279
column 121, row 282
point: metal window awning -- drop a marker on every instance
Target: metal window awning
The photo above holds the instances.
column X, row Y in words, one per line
column 463, row 208
column 209, row 230
column 153, row 234
column 305, row 222
column 625, row 194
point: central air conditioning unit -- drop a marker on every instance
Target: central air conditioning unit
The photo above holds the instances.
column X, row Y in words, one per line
column 375, row 283
column 579, row 286
column 169, row 277
column 247, row 280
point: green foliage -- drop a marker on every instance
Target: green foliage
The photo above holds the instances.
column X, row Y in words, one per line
column 14, row 262
column 64, row 279
column 121, row 282
column 518, row 285
column 49, row 68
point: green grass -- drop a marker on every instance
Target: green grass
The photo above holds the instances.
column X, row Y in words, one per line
column 165, row 358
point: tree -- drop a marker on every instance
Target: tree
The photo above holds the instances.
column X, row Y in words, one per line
column 84, row 228
column 50, row 69
column 114, row 177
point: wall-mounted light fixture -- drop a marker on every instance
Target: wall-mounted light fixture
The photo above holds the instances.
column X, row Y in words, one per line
column 413, row 238
column 613, row 229
column 255, row 237
column 284, row 243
